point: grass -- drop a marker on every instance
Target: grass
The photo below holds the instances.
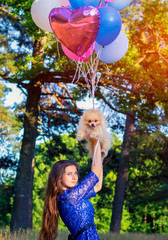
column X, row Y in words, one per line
column 32, row 235
column 132, row 236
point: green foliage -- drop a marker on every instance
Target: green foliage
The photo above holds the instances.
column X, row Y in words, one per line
column 9, row 141
column 138, row 83
column 6, row 201
column 66, row 147
column 62, row 147
column 10, row 126
column 147, row 194
column 145, row 207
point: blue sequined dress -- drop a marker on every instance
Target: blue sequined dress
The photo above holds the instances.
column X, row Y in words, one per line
column 76, row 210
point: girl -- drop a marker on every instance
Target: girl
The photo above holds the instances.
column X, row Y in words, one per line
column 68, row 199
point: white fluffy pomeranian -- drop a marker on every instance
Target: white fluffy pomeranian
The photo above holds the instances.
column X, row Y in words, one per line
column 92, row 124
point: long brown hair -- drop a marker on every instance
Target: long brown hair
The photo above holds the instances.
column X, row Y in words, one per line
column 49, row 229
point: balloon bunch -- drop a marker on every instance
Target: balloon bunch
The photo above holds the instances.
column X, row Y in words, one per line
column 83, row 26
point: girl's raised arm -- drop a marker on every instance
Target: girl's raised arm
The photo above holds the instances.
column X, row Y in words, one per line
column 97, row 164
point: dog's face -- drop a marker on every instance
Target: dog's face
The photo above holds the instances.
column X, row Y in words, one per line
column 92, row 118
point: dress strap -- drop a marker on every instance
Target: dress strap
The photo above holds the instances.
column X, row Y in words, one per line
column 72, row 237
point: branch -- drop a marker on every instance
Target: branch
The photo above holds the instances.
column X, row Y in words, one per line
column 4, row 10
column 53, row 93
column 99, row 94
column 111, row 156
column 163, row 57
column 78, row 111
column 69, row 95
column 6, row 77
column 124, row 112
column 55, row 77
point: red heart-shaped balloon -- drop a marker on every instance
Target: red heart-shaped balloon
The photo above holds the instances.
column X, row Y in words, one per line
column 76, row 30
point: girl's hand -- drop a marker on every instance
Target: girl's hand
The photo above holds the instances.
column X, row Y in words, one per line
column 92, row 139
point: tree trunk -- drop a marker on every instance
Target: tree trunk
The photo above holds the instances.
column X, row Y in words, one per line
column 22, row 208
column 21, row 216
column 122, row 176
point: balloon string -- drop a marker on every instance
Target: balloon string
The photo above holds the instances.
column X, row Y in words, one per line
column 58, row 49
column 84, row 69
column 93, row 101
column 94, row 84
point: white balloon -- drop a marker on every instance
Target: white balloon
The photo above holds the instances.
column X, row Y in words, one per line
column 114, row 51
column 40, row 10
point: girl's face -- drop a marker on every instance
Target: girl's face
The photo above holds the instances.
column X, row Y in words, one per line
column 69, row 178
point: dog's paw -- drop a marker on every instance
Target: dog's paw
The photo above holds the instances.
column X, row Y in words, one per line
column 79, row 137
column 103, row 154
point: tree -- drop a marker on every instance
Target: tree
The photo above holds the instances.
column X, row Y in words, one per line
column 148, row 182
column 138, row 84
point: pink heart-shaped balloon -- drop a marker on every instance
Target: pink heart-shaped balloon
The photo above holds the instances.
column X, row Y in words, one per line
column 76, row 30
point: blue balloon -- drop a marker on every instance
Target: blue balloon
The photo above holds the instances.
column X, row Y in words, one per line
column 81, row 3
column 110, row 25
column 119, row 4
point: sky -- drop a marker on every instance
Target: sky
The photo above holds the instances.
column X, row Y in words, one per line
column 15, row 96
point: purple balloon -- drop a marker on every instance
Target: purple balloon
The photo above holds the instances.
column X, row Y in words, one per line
column 76, row 30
